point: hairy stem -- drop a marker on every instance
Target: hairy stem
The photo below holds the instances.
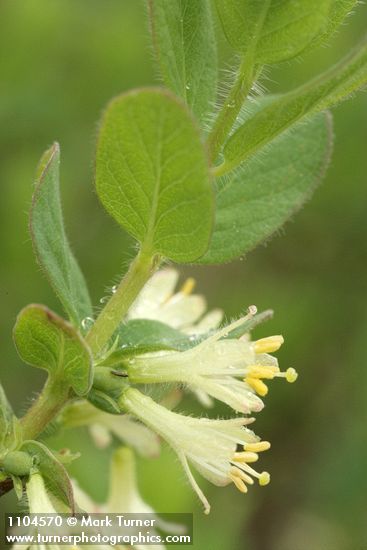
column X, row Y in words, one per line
column 230, row 109
column 50, row 401
column 112, row 314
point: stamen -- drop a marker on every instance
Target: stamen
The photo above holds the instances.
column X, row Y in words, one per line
column 269, row 344
column 257, row 447
column 247, row 457
column 290, row 375
column 238, row 483
column 257, row 385
column 236, row 472
column 188, row 286
column 263, row 371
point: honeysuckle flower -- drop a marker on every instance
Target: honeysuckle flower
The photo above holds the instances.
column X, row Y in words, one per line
column 124, row 496
column 103, row 426
column 41, row 502
column 209, row 445
column 181, row 310
column 231, row 370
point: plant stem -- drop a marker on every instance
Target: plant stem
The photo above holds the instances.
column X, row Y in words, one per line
column 50, row 401
column 115, row 309
column 230, row 109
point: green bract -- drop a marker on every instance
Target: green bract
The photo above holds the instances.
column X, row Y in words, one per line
column 184, row 43
column 52, row 471
column 152, row 174
column 50, row 242
column 269, row 31
column 255, row 200
column 8, row 425
column 45, row 340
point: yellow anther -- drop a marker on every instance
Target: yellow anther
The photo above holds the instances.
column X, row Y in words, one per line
column 259, row 371
column 188, row 286
column 257, row 385
column 291, row 375
column 238, row 483
column 246, row 457
column 257, row 447
column 268, row 345
column 264, row 478
column 236, row 472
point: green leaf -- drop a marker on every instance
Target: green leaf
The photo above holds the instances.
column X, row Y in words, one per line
column 318, row 94
column 152, row 174
column 53, row 472
column 45, row 340
column 339, row 10
column 50, row 241
column 269, row 31
column 185, row 47
column 257, row 199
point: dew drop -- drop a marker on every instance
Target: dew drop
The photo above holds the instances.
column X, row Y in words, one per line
column 104, row 299
column 114, row 289
column 87, row 323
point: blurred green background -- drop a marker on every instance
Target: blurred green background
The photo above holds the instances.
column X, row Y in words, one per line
column 61, row 61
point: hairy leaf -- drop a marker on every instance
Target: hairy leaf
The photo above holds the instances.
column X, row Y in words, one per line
column 50, row 241
column 257, row 199
column 152, row 174
column 336, row 84
column 269, row 31
column 53, row 472
column 45, row 340
column 185, row 47
column 339, row 10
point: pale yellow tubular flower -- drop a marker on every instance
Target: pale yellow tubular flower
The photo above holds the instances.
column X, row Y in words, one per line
column 41, row 502
column 103, row 426
column 181, row 310
column 124, row 496
column 208, row 445
column 230, row 370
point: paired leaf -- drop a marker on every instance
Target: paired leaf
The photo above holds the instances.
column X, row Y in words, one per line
column 269, row 31
column 50, row 241
column 336, row 84
column 152, row 174
column 185, row 46
column 53, row 472
column 257, row 199
column 45, row 340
